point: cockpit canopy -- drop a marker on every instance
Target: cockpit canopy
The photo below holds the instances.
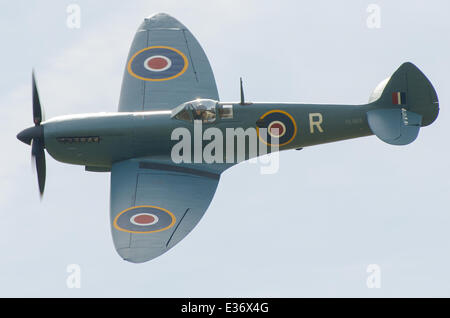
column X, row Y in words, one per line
column 202, row 109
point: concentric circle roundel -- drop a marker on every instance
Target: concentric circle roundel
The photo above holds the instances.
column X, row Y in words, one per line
column 280, row 125
column 157, row 63
column 144, row 219
column 276, row 129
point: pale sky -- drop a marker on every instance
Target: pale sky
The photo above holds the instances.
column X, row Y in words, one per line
column 309, row 230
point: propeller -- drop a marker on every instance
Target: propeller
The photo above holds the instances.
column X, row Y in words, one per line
column 34, row 136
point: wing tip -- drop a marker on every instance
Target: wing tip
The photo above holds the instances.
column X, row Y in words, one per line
column 135, row 261
column 138, row 255
column 161, row 20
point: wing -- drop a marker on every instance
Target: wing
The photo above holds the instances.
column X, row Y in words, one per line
column 166, row 66
column 154, row 206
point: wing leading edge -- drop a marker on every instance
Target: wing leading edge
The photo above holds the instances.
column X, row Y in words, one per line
column 154, row 206
column 166, row 66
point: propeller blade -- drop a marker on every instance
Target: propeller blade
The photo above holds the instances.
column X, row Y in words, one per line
column 35, row 136
column 37, row 111
column 38, row 153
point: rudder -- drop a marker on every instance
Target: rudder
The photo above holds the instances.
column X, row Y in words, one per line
column 401, row 105
column 410, row 89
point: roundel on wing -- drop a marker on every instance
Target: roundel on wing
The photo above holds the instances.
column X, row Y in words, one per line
column 157, row 63
column 144, row 219
column 280, row 125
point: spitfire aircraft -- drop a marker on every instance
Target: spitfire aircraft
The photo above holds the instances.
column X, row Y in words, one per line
column 168, row 84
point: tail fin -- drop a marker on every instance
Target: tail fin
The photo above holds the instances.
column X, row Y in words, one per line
column 402, row 104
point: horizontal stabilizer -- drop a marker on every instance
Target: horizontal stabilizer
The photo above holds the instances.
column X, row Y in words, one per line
column 394, row 126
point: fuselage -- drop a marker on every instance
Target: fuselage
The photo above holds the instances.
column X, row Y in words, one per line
column 100, row 139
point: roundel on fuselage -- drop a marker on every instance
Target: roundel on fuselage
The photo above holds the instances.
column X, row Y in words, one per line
column 280, row 126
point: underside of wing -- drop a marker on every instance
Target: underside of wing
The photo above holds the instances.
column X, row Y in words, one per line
column 154, row 206
column 166, row 66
